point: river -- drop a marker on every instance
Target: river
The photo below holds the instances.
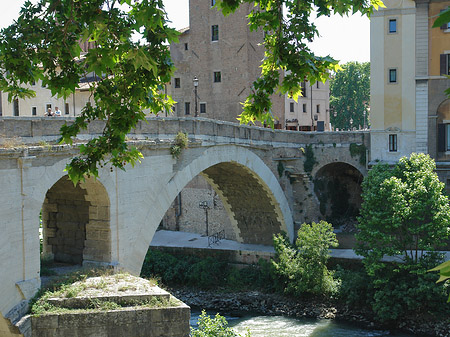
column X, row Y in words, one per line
column 280, row 326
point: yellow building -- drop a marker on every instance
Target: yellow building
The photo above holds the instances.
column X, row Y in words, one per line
column 37, row 106
column 409, row 109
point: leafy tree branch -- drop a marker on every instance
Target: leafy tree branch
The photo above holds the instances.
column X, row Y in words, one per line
column 126, row 76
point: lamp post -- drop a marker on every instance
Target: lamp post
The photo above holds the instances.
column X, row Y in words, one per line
column 205, row 205
column 195, row 80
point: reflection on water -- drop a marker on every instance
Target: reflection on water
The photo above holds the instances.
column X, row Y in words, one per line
column 280, row 326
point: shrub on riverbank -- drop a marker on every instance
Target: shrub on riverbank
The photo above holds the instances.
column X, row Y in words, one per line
column 301, row 269
column 205, row 273
column 214, row 327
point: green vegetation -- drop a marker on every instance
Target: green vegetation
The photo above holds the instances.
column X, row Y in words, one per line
column 181, row 143
column 301, row 269
column 280, row 168
column 205, row 273
column 358, row 150
column 350, row 96
column 404, row 213
column 128, row 74
column 94, row 281
column 444, row 272
column 310, row 159
column 214, row 327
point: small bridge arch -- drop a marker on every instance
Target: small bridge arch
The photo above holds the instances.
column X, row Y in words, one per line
column 337, row 186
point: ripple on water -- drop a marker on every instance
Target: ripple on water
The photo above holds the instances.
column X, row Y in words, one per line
column 280, row 326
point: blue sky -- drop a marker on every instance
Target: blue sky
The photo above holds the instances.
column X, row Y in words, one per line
column 346, row 39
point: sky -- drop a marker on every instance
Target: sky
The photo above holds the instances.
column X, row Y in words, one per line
column 344, row 38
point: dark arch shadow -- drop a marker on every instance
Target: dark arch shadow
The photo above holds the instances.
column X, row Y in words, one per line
column 76, row 222
column 338, row 188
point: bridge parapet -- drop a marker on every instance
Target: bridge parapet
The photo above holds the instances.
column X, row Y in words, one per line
column 29, row 130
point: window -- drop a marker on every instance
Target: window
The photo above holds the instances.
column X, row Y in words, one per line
column 318, row 108
column 47, row 106
column 187, row 108
column 186, row 47
column 304, row 107
column 392, row 75
column 215, row 33
column 177, row 82
column 202, row 108
column 392, row 26
column 446, row 26
column 445, row 64
column 392, row 143
column 66, row 108
column 16, row 107
column 291, row 107
column 303, row 89
column 33, row 111
column 217, row 77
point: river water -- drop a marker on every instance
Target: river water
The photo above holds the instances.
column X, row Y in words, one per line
column 280, row 326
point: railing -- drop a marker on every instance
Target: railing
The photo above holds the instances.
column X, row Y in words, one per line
column 215, row 238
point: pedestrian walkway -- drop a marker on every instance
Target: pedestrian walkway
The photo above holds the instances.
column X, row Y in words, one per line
column 165, row 238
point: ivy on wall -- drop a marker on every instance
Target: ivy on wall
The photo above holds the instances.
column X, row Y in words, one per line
column 358, row 150
column 310, row 159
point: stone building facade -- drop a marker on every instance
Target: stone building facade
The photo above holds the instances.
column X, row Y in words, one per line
column 409, row 63
column 225, row 56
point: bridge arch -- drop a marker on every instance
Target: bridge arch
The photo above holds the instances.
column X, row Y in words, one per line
column 252, row 196
column 337, row 186
column 76, row 222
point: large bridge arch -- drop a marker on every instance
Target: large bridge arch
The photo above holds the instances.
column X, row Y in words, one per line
column 243, row 169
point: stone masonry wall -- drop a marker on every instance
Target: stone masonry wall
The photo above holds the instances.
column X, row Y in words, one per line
column 76, row 222
column 149, row 322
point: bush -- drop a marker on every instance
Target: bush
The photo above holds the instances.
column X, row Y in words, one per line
column 301, row 269
column 355, row 287
column 214, row 327
column 205, row 273
column 401, row 290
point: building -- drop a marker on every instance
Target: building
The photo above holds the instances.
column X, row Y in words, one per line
column 225, row 57
column 409, row 60
column 38, row 105
column 311, row 111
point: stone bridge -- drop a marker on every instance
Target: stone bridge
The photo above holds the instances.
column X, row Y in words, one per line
column 268, row 180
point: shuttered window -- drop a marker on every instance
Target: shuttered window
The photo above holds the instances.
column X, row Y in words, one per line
column 441, row 138
column 392, row 143
column 445, row 64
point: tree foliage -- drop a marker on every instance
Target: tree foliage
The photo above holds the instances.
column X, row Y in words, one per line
column 302, row 268
column 287, row 51
column 125, row 76
column 404, row 211
column 350, row 96
column 43, row 44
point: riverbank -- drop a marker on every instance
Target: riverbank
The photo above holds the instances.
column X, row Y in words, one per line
column 241, row 303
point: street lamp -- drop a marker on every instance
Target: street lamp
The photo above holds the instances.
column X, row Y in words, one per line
column 195, row 80
column 205, row 205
